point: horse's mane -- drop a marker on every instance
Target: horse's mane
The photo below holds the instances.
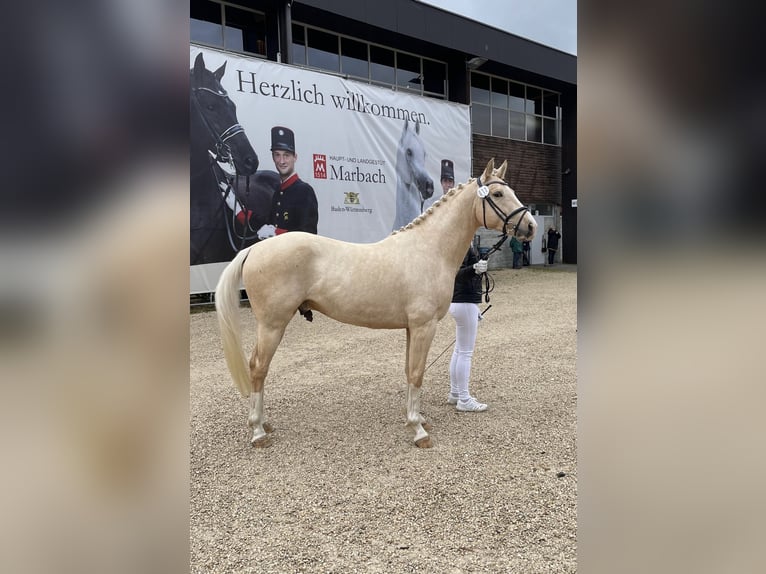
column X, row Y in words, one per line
column 443, row 199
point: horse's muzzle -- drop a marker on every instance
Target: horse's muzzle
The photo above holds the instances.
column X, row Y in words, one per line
column 251, row 164
column 528, row 226
column 426, row 188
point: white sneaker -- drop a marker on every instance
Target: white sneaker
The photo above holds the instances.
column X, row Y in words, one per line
column 451, row 399
column 471, row 405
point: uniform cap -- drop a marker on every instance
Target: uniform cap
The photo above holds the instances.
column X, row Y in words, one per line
column 448, row 170
column 282, row 138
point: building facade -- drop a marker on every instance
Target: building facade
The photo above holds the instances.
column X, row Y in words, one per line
column 522, row 95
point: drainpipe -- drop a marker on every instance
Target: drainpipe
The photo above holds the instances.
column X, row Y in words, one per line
column 287, row 38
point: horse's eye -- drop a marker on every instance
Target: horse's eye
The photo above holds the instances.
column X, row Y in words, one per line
column 210, row 107
column 409, row 152
column 497, row 194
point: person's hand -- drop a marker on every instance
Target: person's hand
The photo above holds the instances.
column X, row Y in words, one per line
column 480, row 266
column 267, row 231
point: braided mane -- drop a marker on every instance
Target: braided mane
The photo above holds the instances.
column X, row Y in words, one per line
column 423, row 216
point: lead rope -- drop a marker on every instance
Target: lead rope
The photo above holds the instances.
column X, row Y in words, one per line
column 453, row 342
column 486, row 278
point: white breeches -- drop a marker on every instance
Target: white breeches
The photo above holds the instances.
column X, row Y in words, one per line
column 466, row 317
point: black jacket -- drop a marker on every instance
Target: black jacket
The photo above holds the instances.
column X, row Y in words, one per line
column 553, row 239
column 294, row 207
column 467, row 282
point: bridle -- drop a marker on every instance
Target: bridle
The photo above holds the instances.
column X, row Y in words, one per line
column 222, row 149
column 486, row 199
column 223, row 155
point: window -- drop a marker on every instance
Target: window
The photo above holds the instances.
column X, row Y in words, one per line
column 518, row 126
column 233, row 28
column 354, row 59
column 315, row 48
column 434, row 77
column 508, row 109
column 516, row 100
column 323, row 51
column 382, row 65
column 206, row 25
column 479, row 89
column 408, row 72
column 550, row 131
column 299, row 45
column 480, row 120
column 534, row 129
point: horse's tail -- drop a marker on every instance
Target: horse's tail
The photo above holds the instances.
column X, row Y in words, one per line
column 227, row 308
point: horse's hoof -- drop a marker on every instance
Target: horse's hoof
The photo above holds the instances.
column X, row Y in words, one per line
column 424, row 442
column 263, row 442
column 428, row 427
column 268, row 427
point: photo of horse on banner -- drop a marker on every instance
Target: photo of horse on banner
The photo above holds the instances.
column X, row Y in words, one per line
column 404, row 281
column 229, row 198
column 413, row 184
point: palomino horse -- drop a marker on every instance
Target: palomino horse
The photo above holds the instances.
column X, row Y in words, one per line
column 228, row 200
column 413, row 185
column 404, row 281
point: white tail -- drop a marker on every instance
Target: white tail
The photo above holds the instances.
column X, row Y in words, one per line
column 227, row 307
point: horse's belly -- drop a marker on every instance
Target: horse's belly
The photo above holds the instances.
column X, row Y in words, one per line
column 364, row 317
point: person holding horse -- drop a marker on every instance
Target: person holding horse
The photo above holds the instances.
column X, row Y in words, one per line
column 294, row 207
column 464, row 309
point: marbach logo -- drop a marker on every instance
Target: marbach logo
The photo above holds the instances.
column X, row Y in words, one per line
column 320, row 166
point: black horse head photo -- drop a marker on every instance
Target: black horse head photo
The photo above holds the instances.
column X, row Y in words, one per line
column 228, row 199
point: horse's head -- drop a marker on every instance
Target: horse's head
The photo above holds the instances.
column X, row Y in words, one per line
column 217, row 114
column 411, row 160
column 497, row 207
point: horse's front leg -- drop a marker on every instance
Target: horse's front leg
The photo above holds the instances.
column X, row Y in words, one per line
column 418, row 343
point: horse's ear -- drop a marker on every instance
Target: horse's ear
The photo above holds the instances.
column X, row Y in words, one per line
column 199, row 64
column 219, row 72
column 500, row 171
column 488, row 170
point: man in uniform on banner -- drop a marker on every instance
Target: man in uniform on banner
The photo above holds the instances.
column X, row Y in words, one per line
column 447, row 179
column 294, row 207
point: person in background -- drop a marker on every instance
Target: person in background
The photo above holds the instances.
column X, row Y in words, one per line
column 553, row 243
column 517, row 249
column 525, row 253
column 447, row 178
column 294, row 207
column 465, row 310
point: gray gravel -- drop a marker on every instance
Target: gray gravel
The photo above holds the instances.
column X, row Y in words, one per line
column 343, row 488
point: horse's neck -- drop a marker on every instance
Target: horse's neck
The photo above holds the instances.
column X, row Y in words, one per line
column 448, row 229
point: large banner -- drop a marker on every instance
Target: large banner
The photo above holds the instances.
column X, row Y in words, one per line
column 372, row 156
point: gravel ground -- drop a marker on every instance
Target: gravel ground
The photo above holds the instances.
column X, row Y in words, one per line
column 344, row 489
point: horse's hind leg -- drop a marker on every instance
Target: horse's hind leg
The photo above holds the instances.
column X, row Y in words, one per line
column 268, row 339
